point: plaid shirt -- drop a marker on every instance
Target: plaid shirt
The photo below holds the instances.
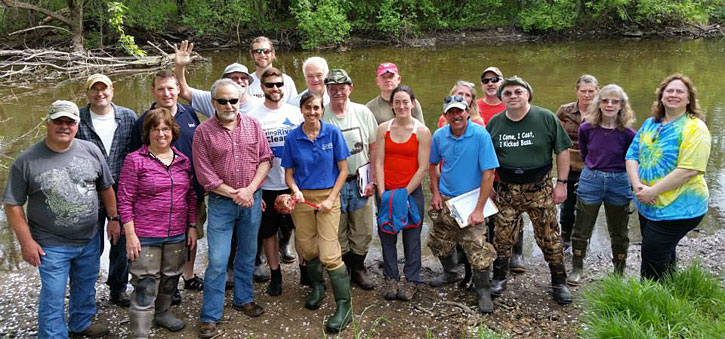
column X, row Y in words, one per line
column 125, row 118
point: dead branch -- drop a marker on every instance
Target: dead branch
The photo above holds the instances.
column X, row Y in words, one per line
column 38, row 27
column 157, row 48
column 23, row 5
column 465, row 308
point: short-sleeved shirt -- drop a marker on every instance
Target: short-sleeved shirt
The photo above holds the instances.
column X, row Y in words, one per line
column 296, row 100
column 660, row 149
column 571, row 118
column 276, row 124
column 201, row 102
column 315, row 162
column 359, row 129
column 603, row 149
column 487, row 111
column 255, row 88
column 464, row 158
column 529, row 142
column 61, row 189
column 383, row 111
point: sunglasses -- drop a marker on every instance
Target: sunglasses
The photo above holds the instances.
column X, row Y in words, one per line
column 60, row 122
column 260, row 51
column 274, row 84
column 610, row 101
column 519, row 92
column 465, row 83
column 491, row 80
column 454, row 98
column 225, row 101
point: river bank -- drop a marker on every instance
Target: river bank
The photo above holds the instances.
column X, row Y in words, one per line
column 525, row 310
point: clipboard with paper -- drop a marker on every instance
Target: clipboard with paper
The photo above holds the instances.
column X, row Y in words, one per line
column 463, row 205
column 363, row 178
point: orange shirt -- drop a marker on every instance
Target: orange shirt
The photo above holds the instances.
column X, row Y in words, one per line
column 401, row 160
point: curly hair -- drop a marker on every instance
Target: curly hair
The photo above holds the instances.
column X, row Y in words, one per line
column 625, row 116
column 693, row 107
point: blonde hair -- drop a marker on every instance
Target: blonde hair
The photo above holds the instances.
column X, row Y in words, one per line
column 625, row 116
column 475, row 114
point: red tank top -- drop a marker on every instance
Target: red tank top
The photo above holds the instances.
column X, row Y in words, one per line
column 401, row 159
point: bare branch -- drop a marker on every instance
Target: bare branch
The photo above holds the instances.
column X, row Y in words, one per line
column 38, row 27
column 24, row 5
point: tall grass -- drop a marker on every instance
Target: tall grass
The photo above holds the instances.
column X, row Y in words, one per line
column 688, row 304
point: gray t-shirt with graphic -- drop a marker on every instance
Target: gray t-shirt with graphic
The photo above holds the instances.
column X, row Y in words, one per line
column 61, row 190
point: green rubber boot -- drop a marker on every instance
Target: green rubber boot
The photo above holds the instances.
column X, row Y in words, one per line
column 340, row 281
column 317, row 281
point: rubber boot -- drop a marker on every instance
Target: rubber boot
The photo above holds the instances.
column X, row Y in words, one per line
column 500, row 270
column 516, row 264
column 449, row 271
column 163, row 316
column 620, row 265
column 559, row 290
column 482, row 284
column 314, row 272
column 340, row 281
column 141, row 325
column 304, row 277
column 261, row 271
column 617, row 222
column 359, row 274
column 275, row 285
column 577, row 267
column 285, row 251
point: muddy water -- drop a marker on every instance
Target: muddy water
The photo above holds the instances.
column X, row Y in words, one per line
column 551, row 68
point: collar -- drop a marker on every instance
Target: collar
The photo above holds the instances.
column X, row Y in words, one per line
column 323, row 131
column 466, row 134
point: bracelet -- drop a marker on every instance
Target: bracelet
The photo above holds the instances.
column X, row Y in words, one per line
column 114, row 218
column 563, row 181
column 192, row 226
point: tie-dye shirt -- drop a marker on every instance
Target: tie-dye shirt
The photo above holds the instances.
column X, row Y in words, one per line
column 660, row 148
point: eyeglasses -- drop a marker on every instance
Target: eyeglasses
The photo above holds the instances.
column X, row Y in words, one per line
column 657, row 133
column 163, row 130
column 610, row 101
column 274, row 84
column 454, row 98
column 60, row 122
column 465, row 83
column 225, row 101
column 260, row 51
column 519, row 92
column 491, row 80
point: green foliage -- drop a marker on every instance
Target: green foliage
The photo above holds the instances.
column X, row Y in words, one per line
column 402, row 18
column 320, row 23
column 117, row 11
column 545, row 15
column 688, row 304
column 217, row 16
column 150, row 15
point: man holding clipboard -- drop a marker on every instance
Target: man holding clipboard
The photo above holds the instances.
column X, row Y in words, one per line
column 468, row 161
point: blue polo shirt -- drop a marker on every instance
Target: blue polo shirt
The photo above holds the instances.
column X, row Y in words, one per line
column 315, row 163
column 464, row 158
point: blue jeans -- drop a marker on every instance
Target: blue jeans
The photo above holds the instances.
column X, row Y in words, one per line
column 81, row 264
column 612, row 188
column 224, row 217
column 411, row 247
column 350, row 199
column 117, row 259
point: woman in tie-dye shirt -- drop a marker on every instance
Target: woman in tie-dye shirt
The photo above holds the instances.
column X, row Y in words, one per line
column 666, row 164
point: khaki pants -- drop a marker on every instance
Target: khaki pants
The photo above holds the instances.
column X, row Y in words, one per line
column 317, row 231
column 356, row 230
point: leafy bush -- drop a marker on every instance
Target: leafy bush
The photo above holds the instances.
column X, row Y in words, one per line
column 544, row 15
column 153, row 16
column 320, row 23
column 217, row 16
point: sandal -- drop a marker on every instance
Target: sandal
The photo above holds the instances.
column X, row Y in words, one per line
column 195, row 283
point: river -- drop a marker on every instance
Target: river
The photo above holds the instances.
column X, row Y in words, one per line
column 551, row 69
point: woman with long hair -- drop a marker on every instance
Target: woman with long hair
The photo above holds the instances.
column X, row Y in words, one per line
column 468, row 91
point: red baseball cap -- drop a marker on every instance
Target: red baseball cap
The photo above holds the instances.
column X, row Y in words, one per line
column 387, row 67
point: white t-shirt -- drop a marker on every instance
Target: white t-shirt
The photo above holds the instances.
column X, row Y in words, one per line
column 290, row 90
column 105, row 126
column 296, row 100
column 201, row 102
column 276, row 124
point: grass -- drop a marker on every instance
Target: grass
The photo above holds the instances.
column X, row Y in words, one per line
column 688, row 304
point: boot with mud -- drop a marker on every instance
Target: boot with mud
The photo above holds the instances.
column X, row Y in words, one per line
column 577, row 266
column 449, row 275
column 516, row 264
column 164, row 317
column 317, row 280
column 359, row 274
column 285, row 249
column 340, row 281
column 499, row 282
column 559, row 290
column 482, row 284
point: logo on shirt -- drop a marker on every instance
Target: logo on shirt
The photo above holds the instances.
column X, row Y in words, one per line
column 191, row 125
column 515, row 140
column 289, row 123
column 326, row 146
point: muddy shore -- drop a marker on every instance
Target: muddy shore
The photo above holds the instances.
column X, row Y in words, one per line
column 525, row 310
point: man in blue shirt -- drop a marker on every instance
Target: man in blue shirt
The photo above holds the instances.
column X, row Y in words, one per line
column 462, row 159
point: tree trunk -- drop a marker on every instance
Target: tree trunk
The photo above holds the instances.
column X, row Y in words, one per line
column 76, row 18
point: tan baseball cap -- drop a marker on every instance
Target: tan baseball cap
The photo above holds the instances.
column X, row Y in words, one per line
column 98, row 78
column 63, row 108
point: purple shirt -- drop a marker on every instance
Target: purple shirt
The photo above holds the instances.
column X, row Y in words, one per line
column 604, row 149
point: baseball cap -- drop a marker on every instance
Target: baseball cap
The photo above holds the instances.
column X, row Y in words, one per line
column 387, row 67
column 492, row 69
column 456, row 101
column 237, row 67
column 515, row 80
column 63, row 108
column 338, row 76
column 98, row 78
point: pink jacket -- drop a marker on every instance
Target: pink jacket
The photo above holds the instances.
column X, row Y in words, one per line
column 160, row 202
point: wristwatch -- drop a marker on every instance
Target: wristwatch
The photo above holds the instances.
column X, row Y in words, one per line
column 563, row 181
column 114, row 218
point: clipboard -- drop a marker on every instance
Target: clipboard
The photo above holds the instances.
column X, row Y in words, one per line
column 363, row 178
column 463, row 205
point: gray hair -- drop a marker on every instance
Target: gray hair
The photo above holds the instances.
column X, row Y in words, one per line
column 587, row 79
column 225, row 82
column 319, row 61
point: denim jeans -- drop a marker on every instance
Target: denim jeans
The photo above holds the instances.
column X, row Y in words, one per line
column 117, row 259
column 81, row 264
column 411, row 247
column 356, row 220
column 659, row 244
column 224, row 217
column 612, row 188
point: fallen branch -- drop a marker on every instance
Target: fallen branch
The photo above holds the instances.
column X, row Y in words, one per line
column 465, row 308
column 38, row 27
column 419, row 308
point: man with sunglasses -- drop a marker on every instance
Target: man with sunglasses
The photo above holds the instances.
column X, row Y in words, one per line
column 61, row 179
column 388, row 79
column 263, row 54
column 525, row 136
column 359, row 129
column 277, row 118
column 462, row 159
column 231, row 159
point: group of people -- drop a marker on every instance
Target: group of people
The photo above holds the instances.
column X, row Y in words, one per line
column 152, row 183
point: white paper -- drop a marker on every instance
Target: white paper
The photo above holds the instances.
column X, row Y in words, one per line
column 463, row 205
column 363, row 178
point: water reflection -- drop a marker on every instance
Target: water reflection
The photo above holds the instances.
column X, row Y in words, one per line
column 551, row 68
